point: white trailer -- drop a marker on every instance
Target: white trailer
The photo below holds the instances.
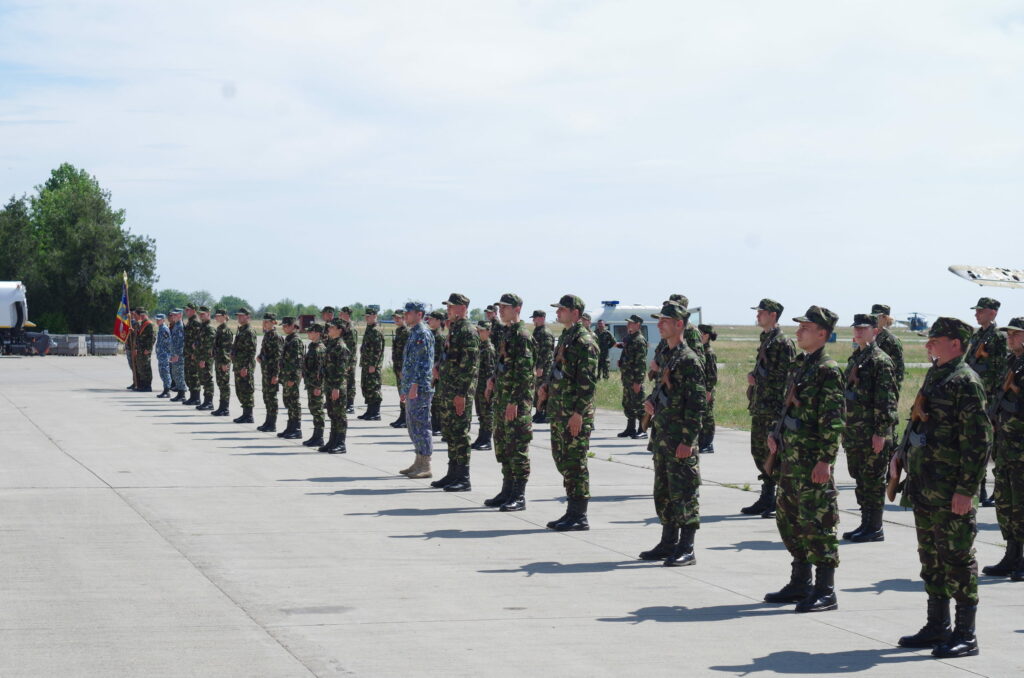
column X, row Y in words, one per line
column 614, row 314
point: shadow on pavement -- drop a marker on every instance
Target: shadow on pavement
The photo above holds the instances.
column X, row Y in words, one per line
column 653, row 520
column 339, row 479
column 754, row 545
column 825, row 663
column 417, row 512
column 897, row 585
column 368, row 492
column 552, row 567
column 603, row 498
column 468, row 534
column 679, row 613
column 730, row 516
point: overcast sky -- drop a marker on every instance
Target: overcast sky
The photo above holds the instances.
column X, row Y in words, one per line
column 815, row 152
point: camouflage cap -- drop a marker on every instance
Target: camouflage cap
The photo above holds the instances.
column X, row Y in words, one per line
column 865, row 320
column 220, row 311
column 635, row 319
column 438, row 315
column 820, row 316
column 336, row 322
column 141, row 311
column 456, row 299
column 327, row 309
column 315, row 327
column 539, row 314
column 415, row 306
column 681, row 299
column 160, row 316
column 493, row 308
column 987, row 302
column 483, row 325
column 509, row 299
column 397, row 313
column 706, row 329
column 204, row 309
column 954, row 328
column 372, row 309
column 880, row 309
column 769, row 305
column 346, row 309
column 1015, row 325
column 586, row 316
column 571, row 302
column 288, row 320
column 270, row 316
column 670, row 309
column 242, row 311
column 190, row 305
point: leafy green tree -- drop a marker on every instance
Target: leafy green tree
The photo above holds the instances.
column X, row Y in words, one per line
column 231, row 303
column 476, row 315
column 170, row 298
column 202, row 298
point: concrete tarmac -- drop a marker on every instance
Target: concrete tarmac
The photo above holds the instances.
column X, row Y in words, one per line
column 144, row 538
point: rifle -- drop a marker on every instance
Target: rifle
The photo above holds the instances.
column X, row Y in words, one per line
column 1009, row 385
column 545, row 391
column 759, row 369
column 776, row 434
column 902, row 454
column 658, row 398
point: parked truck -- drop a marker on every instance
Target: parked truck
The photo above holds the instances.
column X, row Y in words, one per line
column 16, row 336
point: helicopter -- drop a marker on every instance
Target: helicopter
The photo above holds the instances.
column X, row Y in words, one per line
column 916, row 321
column 992, row 276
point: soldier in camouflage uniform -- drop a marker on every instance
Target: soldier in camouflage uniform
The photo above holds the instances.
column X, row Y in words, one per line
column 706, row 441
column 371, row 362
column 270, row 369
column 545, row 343
column 570, row 390
column 243, row 359
column 223, row 342
column 177, row 355
column 1007, row 411
column 605, row 342
column 945, row 464
column 986, row 355
column 456, row 377
column 336, row 357
column 676, row 405
column 812, row 421
column 290, row 372
column 871, row 400
column 206, row 342
column 435, row 321
column 494, row 320
column 765, row 392
column 163, row 354
column 632, row 369
column 481, row 398
column 145, row 339
column 351, row 339
column 193, row 328
column 398, row 340
column 313, row 375
column 888, row 342
column 129, row 348
column 416, row 389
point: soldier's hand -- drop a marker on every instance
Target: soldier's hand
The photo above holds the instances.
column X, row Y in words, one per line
column 289, row 384
column 511, row 412
column 773, row 446
column 224, row 368
column 683, row 451
column 316, row 391
column 371, row 369
column 202, row 363
column 708, row 396
column 460, row 404
column 174, row 358
column 335, row 393
column 538, row 373
column 244, row 372
column 575, row 424
column 654, row 366
column 649, row 408
column 489, row 389
column 273, row 380
column 877, row 444
column 750, row 379
column 435, row 374
column 636, row 388
column 961, row 504
column 821, row 472
column 413, row 391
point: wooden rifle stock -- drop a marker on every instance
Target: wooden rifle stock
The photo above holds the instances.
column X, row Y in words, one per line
column 917, row 416
column 776, row 434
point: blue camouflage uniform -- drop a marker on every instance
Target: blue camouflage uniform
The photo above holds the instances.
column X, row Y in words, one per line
column 417, row 368
column 163, row 352
column 178, row 350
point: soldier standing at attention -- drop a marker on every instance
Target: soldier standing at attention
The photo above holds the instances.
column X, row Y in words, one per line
column 270, row 367
column 129, row 348
column 587, row 320
column 676, row 405
column 224, row 341
column 571, row 395
column 871, row 399
column 163, row 354
column 706, row 442
column 435, row 321
column 888, row 342
column 808, row 514
column 351, row 339
column 632, row 369
column 511, row 389
column 457, row 374
column 313, row 375
column 398, row 340
column 327, row 315
column 944, row 468
column 193, row 330
column 1008, row 418
column 491, row 314
column 336, row 359
column 177, row 356
column 290, row 372
column 545, row 342
column 417, row 389
column 371, row 362
column 605, row 341
column 243, row 358
column 145, row 339
column 765, row 393
column 482, row 399
column 205, row 342
column 986, row 355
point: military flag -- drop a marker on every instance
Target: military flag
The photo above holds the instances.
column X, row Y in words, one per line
column 122, row 323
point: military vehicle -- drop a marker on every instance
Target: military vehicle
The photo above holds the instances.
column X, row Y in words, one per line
column 614, row 315
column 14, row 323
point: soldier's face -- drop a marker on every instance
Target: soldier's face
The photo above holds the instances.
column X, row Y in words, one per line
column 509, row 314
column 668, row 327
column 810, row 337
column 313, row 336
column 189, row 312
column 633, row 327
column 489, row 315
column 268, row 325
column 333, row 332
column 864, row 335
column 242, row 319
column 204, row 316
column 433, row 323
column 600, row 324
column 327, row 316
column 1015, row 340
column 457, row 311
column 484, row 335
column 399, row 320
column 765, row 318
column 160, row 322
column 566, row 316
column 985, row 316
column 943, row 349
column 538, row 321
column 412, row 318
column 371, row 318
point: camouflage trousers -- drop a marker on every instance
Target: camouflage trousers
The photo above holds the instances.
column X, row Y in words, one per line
column 369, row 383
column 206, row 378
column 676, row 486
column 336, row 412
column 484, row 411
column 869, row 470
column 1009, row 495
column 570, row 454
column 417, row 418
column 178, row 374
column 143, row 369
column 512, row 442
column 223, row 381
column 245, row 387
column 945, row 545
column 707, row 426
column 602, row 366
column 350, row 384
column 632, row 403
column 760, row 427
column 455, row 427
column 163, row 364
column 192, row 373
column 290, row 397
column 807, row 515
column 270, row 395
column 315, row 405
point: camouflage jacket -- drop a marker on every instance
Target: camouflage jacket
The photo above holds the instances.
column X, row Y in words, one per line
column 496, row 330
column 774, row 359
column 398, row 346
column 418, row 360
column 206, row 343
column 313, row 365
column 458, row 371
column 691, row 337
column 371, row 353
column 678, row 398
column 545, row 343
column 145, row 337
column 954, row 441
column 486, row 368
column 243, row 352
column 893, row 347
column 350, row 335
column 1009, row 411
column 177, row 339
column 439, row 338
column 516, row 356
column 574, row 372
column 270, row 353
column 291, row 358
column 871, row 395
column 605, row 341
column 163, row 342
column 336, row 359
column 633, row 359
column 223, row 342
column 986, row 354
column 710, row 368
column 193, row 330
column 814, row 424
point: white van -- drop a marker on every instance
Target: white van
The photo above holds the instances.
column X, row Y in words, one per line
column 614, row 315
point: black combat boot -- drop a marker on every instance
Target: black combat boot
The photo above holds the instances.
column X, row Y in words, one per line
column 460, row 481
column 296, row 430
column 178, row 398
column 193, row 398
column 130, row 387
column 759, row 506
column 706, row 445
column 331, row 440
column 542, row 415
column 339, row 445
column 207, row 403
column 435, row 425
column 682, row 554
column 665, row 547
column 222, row 410
column 769, row 499
column 630, row 429
column 872, row 530
column 984, row 498
column 936, row 630
column 482, row 442
column 860, row 528
column 351, row 409
column 246, row 417
column 798, row 588
column 1018, row 574
column 1011, row 561
column 289, row 427
column 823, row 596
column 962, row 642
column 551, row 525
column 166, row 393
column 400, row 422
column 640, row 434
column 447, row 477
column 270, row 425
column 502, row 496
column 373, row 413
column 317, row 439
column 517, row 497
column 575, row 518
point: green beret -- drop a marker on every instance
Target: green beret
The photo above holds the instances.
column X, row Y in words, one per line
column 706, row 329
column 954, row 328
column 820, row 316
column 346, row 309
column 483, row 325
column 327, row 309
column 220, row 311
column 337, row 322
